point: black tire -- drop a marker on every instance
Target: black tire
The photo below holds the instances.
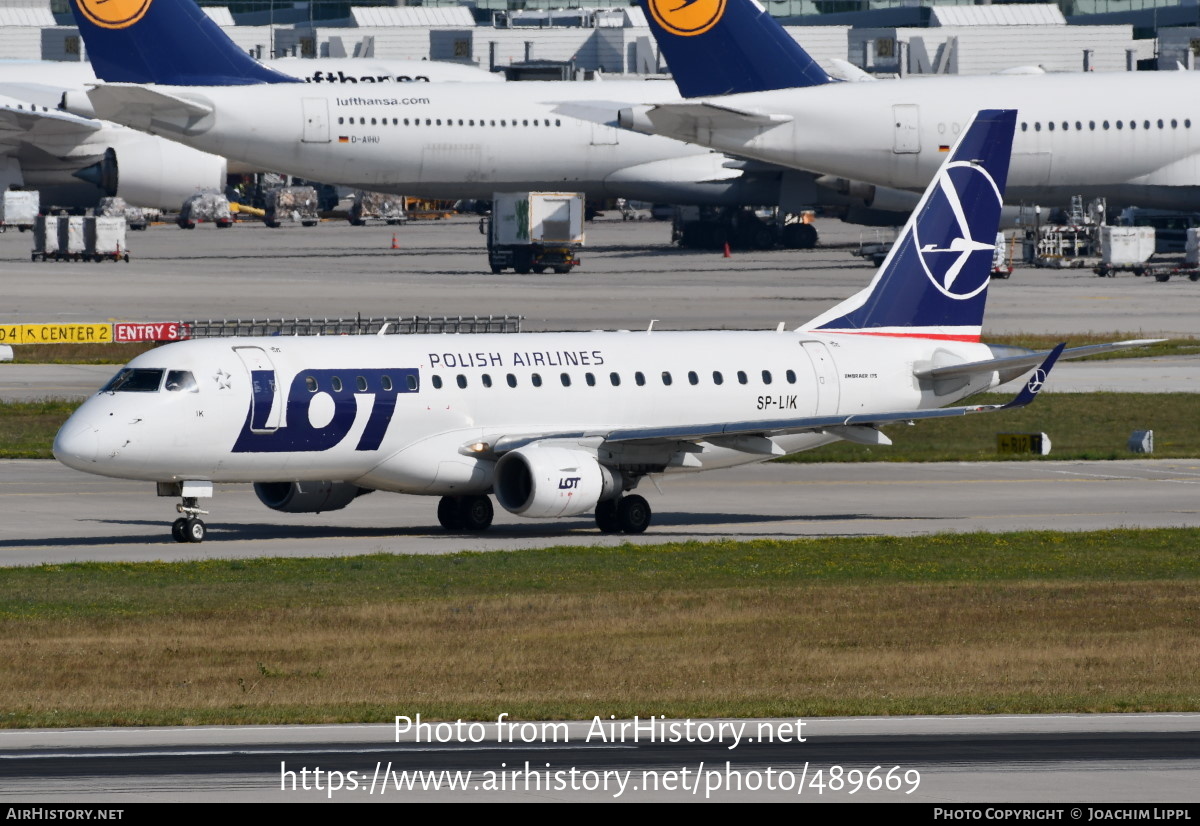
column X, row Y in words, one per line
column 523, row 261
column 194, row 531
column 800, row 236
column 497, row 269
column 1162, row 276
column 450, row 513
column 606, row 517
column 539, row 269
column 476, row 512
column 272, row 224
column 562, row 270
column 177, row 529
column 634, row 514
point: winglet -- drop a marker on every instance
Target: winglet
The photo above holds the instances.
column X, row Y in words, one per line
column 1036, row 381
column 169, row 42
column 719, row 47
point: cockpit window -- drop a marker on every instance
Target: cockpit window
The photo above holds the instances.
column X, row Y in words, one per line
column 134, row 380
column 181, row 381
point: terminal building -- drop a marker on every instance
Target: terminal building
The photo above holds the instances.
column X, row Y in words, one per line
column 561, row 38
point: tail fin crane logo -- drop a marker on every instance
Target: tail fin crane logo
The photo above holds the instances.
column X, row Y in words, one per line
column 114, row 14
column 944, row 258
column 687, row 18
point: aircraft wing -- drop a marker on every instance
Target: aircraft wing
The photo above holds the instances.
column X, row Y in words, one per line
column 686, row 120
column 860, row 422
column 24, row 125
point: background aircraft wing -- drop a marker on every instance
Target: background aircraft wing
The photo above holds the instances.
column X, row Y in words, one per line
column 20, row 122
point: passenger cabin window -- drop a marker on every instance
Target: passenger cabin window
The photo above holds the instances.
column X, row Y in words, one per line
column 310, row 383
column 692, row 377
column 336, row 384
column 182, row 381
column 536, row 378
column 437, row 382
column 639, row 379
column 766, row 374
column 565, row 378
column 590, row 378
column 512, row 380
column 791, row 376
column 462, row 381
column 615, row 378
column 134, row 380
column 486, row 379
column 361, row 384
column 386, row 383
column 717, row 377
column 666, row 378
column 412, row 383
column 742, row 379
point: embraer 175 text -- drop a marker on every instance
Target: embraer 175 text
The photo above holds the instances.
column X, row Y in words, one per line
column 560, row 424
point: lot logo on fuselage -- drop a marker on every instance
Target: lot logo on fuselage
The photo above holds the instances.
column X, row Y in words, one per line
column 948, row 246
column 114, row 14
column 265, row 432
column 687, row 18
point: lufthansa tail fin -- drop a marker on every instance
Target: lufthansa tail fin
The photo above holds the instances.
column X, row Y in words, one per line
column 933, row 284
column 169, row 42
column 721, row 47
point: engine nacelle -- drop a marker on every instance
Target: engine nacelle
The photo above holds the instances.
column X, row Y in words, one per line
column 307, row 497
column 544, row 482
column 153, row 172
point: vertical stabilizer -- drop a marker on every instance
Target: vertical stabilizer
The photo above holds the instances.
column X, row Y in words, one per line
column 721, row 47
column 171, row 42
column 933, row 284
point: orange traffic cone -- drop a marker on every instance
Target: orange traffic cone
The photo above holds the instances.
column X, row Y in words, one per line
column 395, row 244
column 727, row 253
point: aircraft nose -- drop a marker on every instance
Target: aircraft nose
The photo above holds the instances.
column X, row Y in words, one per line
column 77, row 445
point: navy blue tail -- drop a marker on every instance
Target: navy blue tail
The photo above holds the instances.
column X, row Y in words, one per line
column 171, row 42
column 934, row 282
column 721, row 47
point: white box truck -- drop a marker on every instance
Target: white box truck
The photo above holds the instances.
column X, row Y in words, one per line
column 535, row 231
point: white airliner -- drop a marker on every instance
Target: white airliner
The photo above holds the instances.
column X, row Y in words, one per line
column 559, row 424
column 1132, row 137
column 172, row 72
column 74, row 159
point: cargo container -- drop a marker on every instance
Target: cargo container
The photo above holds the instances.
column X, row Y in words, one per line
column 535, row 231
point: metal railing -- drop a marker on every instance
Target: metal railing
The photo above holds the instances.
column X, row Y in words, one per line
column 355, row 326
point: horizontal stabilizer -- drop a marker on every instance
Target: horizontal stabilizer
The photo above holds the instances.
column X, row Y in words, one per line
column 148, row 108
column 685, row 121
column 1012, row 366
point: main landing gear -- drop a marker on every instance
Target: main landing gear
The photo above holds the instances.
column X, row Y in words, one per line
column 189, row 527
column 465, row 513
column 629, row 514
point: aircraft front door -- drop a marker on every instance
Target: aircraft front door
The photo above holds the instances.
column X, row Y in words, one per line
column 906, row 137
column 266, row 396
column 316, row 120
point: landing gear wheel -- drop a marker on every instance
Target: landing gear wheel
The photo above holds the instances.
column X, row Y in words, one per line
column 475, row 512
column 606, row 517
column 188, row 530
column 633, row 513
column 450, row 513
column 177, row 529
